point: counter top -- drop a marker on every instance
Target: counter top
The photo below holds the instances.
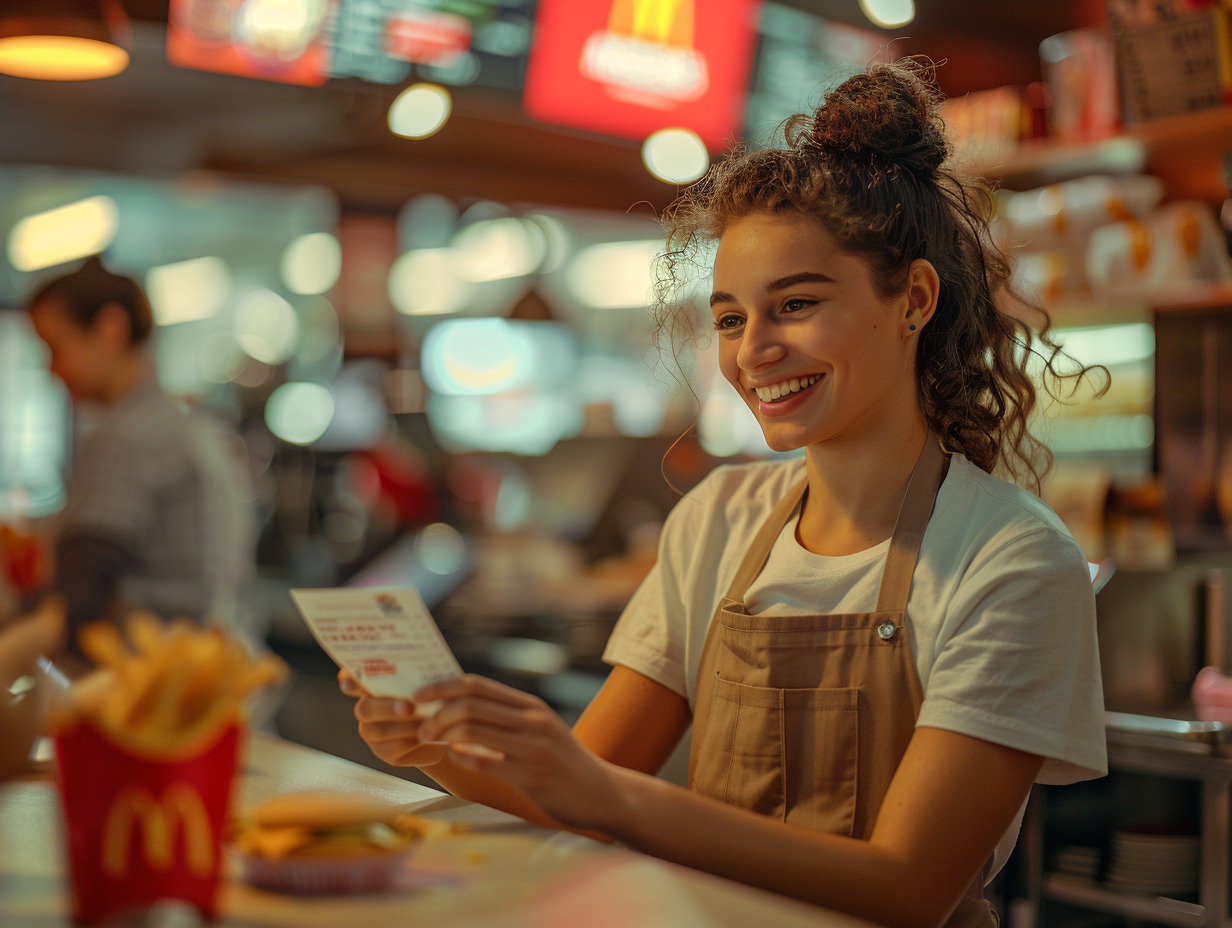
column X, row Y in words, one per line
column 499, row 871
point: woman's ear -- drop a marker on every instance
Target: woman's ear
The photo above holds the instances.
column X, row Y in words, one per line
column 923, row 288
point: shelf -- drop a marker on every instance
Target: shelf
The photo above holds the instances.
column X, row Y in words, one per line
column 1091, row 895
column 1137, row 305
column 1186, row 151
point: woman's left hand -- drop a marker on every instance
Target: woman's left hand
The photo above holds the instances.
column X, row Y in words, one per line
column 497, row 730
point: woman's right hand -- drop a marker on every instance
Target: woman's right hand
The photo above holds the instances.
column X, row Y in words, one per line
column 390, row 727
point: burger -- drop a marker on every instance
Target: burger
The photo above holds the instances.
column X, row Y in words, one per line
column 326, row 843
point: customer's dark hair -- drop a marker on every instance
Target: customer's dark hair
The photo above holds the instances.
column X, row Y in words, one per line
column 871, row 166
column 84, row 292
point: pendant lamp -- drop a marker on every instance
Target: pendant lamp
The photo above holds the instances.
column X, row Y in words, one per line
column 63, row 40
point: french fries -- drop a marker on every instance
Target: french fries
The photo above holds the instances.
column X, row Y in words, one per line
column 162, row 687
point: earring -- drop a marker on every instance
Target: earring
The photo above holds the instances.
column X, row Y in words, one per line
column 911, row 327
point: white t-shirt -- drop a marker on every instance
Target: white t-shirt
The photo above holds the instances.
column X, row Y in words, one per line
column 1001, row 613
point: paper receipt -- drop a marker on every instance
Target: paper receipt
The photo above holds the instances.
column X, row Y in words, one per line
column 384, row 636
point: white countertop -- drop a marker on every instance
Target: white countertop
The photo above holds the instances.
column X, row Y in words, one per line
column 500, row 871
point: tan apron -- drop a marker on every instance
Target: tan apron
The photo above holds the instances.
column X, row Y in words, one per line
column 806, row 717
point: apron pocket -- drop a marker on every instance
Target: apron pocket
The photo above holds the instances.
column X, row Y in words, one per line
column 740, row 759
column 787, row 753
column 821, row 735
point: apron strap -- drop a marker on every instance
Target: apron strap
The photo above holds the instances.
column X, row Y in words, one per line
column 913, row 516
column 763, row 542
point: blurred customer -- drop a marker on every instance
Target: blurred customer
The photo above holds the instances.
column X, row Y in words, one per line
column 22, row 715
column 158, row 515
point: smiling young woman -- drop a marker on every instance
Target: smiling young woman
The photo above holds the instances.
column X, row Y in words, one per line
column 879, row 646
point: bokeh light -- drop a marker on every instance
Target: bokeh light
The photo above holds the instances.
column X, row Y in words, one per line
column 312, row 263
column 440, row 548
column 424, row 282
column 613, row 275
column 220, row 358
column 420, row 111
column 677, row 156
column 485, row 356
column 888, row 14
column 64, row 234
column 266, row 326
column 299, row 412
column 60, row 58
column 475, row 356
column 495, row 249
column 188, row 291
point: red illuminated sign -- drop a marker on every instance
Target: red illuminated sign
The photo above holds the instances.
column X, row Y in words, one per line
column 274, row 40
column 630, row 67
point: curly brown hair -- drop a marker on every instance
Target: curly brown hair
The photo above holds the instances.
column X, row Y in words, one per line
column 871, row 166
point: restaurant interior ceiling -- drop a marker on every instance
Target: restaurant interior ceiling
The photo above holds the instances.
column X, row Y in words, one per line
column 158, row 120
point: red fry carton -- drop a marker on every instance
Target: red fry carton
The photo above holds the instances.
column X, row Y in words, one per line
column 144, row 827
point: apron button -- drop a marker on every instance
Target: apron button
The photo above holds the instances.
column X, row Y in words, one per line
column 886, row 630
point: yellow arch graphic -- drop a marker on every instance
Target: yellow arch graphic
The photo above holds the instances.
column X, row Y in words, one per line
column 663, row 22
column 135, row 807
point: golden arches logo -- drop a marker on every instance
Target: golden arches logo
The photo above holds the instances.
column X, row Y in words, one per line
column 664, row 22
column 135, row 808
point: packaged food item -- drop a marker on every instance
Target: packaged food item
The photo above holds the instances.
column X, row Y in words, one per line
column 1178, row 244
column 1046, row 276
column 1080, row 69
column 326, row 843
column 1060, row 215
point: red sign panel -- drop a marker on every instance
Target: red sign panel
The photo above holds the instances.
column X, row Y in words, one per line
column 631, row 67
column 273, row 40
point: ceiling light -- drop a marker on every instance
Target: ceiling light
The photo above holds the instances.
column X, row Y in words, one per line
column 889, row 14
column 420, row 111
column 63, row 234
column 63, row 40
column 677, row 156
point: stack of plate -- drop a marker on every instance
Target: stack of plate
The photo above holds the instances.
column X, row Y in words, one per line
column 1074, row 861
column 1155, row 863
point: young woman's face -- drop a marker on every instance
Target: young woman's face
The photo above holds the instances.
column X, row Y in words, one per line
column 804, row 336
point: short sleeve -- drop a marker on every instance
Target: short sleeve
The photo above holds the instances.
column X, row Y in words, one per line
column 1019, row 662
column 662, row 626
column 645, row 640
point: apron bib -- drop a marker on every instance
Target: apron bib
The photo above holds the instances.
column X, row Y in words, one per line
column 805, row 718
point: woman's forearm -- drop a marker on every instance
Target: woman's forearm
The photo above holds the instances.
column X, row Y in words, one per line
column 496, row 793
column 841, row 873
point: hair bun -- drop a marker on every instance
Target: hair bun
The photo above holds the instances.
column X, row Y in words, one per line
column 889, row 116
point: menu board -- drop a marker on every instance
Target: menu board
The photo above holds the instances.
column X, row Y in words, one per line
column 1173, row 67
column 265, row 39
